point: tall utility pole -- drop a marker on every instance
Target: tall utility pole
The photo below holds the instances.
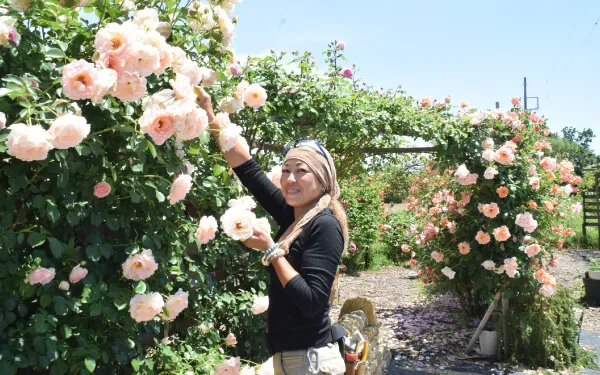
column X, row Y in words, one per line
column 525, row 92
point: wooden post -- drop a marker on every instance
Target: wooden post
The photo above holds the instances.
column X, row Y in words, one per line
column 485, row 319
column 505, row 326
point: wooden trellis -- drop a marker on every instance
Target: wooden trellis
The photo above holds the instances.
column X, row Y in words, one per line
column 591, row 206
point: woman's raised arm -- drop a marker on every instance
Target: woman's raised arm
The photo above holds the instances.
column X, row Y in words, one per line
column 238, row 154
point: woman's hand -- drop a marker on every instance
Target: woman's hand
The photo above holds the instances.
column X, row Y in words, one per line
column 205, row 102
column 260, row 240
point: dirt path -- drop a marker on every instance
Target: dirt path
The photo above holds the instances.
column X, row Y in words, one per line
column 432, row 334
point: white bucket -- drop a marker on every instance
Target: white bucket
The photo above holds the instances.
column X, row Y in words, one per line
column 488, row 342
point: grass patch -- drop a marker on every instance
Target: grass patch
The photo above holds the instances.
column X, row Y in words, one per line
column 577, row 241
column 378, row 257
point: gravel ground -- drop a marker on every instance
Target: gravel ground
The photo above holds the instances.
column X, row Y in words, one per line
column 431, row 334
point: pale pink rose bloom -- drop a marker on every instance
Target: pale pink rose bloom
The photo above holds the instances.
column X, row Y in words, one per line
column 78, row 79
column 464, row 104
column 112, row 38
column 490, row 210
column 512, row 145
column 2, row 120
column 238, row 223
column 161, row 99
column 535, row 183
column 462, row 171
column 266, row 368
column 190, row 69
column 516, row 101
column 142, row 59
column 178, row 56
column 263, row 224
column 77, row 273
column 275, row 176
column 28, row 143
column 469, row 180
column 490, row 173
column 231, row 340
column 255, row 96
column 246, row 203
column 193, row 121
column 567, row 189
column 181, row 186
column 547, row 132
column 183, row 88
column 209, row 77
column 488, row 265
column 206, row 229
column 531, row 170
column 139, row 266
column 68, row 131
column 501, row 233
column 205, row 328
column 112, row 61
column 166, row 58
column 347, row 72
column 478, row 117
column 130, row 86
column 502, row 192
column 405, row 248
column 229, row 137
column 425, row 101
column 526, row 221
column 231, row 366
column 576, row 208
column 510, row 267
column 341, row 45
column 64, row 285
column 176, row 304
column 487, row 143
column 146, row 18
column 236, row 69
column 437, row 256
column 547, row 290
column 145, row 307
column 230, row 105
column 448, row 272
column 40, row 275
column 548, row 163
column 504, row 155
column 532, row 250
column 105, row 83
column 482, row 237
column 102, row 189
column 260, row 305
column 451, row 227
column 488, row 154
column 159, row 123
column 14, row 36
column 464, row 248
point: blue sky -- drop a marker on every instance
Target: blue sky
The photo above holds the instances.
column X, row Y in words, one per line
column 474, row 50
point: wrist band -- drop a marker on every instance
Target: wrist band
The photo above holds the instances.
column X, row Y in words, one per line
column 271, row 249
column 266, row 260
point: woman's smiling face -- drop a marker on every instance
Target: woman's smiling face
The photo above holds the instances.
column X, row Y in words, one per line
column 299, row 184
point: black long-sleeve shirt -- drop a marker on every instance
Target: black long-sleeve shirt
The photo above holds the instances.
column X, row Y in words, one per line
column 298, row 315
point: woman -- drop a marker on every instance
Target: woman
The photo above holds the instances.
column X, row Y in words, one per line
column 302, row 264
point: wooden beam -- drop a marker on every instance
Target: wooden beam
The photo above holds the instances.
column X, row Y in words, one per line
column 368, row 150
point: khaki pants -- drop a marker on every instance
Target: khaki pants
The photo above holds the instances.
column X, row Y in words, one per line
column 325, row 360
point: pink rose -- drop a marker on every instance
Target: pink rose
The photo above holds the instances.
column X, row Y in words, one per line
column 206, row 229
column 482, row 237
column 510, row 267
column 260, row 305
column 145, row 307
column 78, row 79
column 535, row 183
column 464, row 104
column 502, row 192
column 532, row 250
column 209, row 77
column 516, row 102
column 266, row 368
column 102, row 189
column 64, row 285
column 77, row 273
column 405, row 248
column 40, row 275
column 236, row 69
column 549, row 164
column 425, row 101
column 547, row 132
column 504, row 155
column 527, row 222
column 68, row 131
column 487, row 143
column 341, row 45
column 437, row 256
column 159, row 123
column 464, row 248
column 469, row 179
column 105, row 82
column 347, row 72
column 230, row 340
column 113, row 38
column 139, row 266
column 191, row 120
column 28, row 143
column 229, row 367
column 488, row 265
column 111, row 60
column 448, row 272
column 2, row 120
column 130, row 86
column 182, row 86
column 501, row 233
column 176, row 304
column 14, row 36
column 488, row 154
column 238, row 223
column 255, row 96
column 181, row 186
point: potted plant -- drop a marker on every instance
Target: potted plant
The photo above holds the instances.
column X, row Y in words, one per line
column 594, row 269
column 592, row 283
column 488, row 339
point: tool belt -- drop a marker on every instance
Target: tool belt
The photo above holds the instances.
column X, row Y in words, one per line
column 354, row 356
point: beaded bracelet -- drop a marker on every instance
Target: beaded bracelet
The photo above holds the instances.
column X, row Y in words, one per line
column 271, row 249
column 275, row 254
